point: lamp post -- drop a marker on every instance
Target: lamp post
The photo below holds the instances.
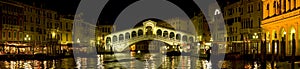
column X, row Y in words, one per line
column 54, row 42
column 254, row 48
column 27, row 38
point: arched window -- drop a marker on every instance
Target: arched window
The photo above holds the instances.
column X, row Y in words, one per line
column 172, row 35
column 121, row 37
column 127, row 36
column 178, row 37
column 165, row 34
column 191, row 39
column 133, row 34
column 184, row 38
column 159, row 32
column 115, row 38
column 140, row 32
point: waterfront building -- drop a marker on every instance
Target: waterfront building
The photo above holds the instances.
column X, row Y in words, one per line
column 11, row 26
column 242, row 20
column 280, row 25
column 101, row 31
column 201, row 26
column 32, row 29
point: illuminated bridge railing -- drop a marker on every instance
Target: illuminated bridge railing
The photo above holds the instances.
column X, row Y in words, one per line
column 147, row 37
column 123, row 44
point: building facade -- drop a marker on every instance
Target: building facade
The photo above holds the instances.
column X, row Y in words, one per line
column 11, row 21
column 66, row 29
column 202, row 28
column 242, row 20
column 101, row 32
column 280, row 24
column 11, row 26
column 27, row 28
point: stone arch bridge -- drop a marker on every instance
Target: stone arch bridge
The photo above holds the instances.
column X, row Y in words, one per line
column 118, row 41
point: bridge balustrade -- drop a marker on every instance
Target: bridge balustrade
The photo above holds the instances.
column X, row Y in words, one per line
column 139, row 38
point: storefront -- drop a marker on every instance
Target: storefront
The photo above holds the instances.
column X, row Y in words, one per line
column 14, row 48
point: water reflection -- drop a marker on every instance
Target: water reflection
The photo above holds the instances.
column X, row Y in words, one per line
column 136, row 61
column 37, row 64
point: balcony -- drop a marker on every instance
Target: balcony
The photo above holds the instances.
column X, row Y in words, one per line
column 11, row 27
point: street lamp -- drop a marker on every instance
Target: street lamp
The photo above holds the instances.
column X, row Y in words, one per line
column 255, row 36
column 27, row 38
column 55, row 48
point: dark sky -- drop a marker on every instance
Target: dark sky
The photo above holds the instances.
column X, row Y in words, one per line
column 62, row 6
column 111, row 10
column 114, row 8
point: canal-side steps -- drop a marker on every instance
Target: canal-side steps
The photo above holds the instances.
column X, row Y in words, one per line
column 32, row 57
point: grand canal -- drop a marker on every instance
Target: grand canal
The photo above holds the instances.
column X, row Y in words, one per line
column 137, row 61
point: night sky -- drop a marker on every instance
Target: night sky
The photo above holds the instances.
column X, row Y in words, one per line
column 111, row 10
column 115, row 7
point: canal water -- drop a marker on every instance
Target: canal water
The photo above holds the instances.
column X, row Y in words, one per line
column 134, row 61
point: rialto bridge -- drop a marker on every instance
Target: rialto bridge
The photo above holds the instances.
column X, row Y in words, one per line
column 119, row 41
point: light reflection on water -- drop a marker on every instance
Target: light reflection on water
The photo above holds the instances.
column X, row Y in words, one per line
column 104, row 62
